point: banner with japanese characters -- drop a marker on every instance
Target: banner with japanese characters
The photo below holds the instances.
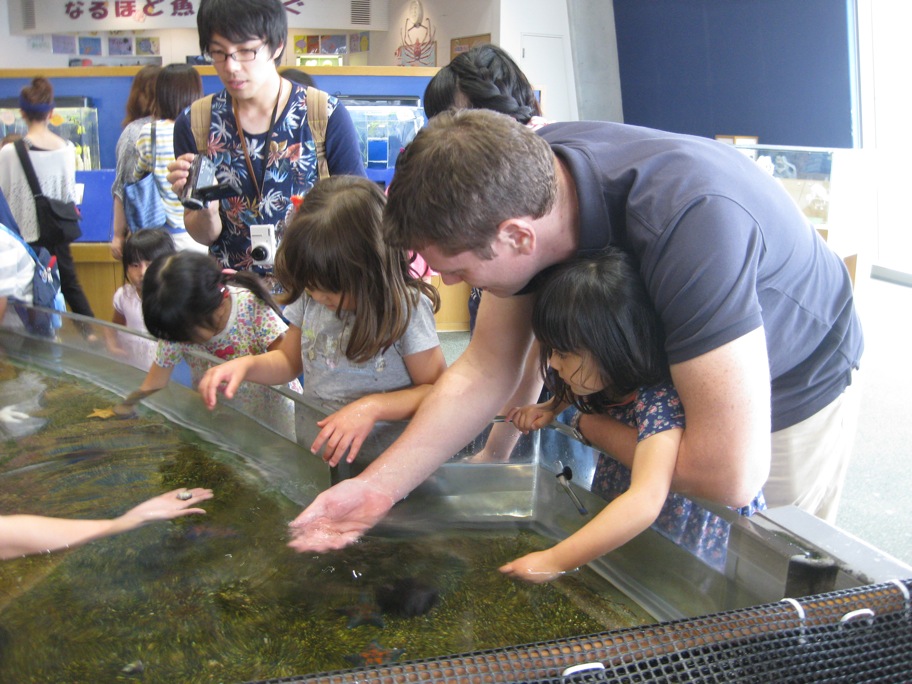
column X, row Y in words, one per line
column 69, row 16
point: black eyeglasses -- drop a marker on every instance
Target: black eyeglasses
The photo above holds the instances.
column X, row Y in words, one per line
column 245, row 55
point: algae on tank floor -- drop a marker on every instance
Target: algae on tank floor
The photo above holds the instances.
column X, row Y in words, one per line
column 220, row 597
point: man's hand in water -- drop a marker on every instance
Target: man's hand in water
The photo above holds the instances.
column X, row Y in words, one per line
column 339, row 516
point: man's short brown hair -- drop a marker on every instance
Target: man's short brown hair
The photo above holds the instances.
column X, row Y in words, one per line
column 463, row 175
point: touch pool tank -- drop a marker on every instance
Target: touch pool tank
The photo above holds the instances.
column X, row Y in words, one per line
column 792, row 593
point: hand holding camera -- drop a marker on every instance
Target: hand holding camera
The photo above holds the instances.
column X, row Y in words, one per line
column 203, row 184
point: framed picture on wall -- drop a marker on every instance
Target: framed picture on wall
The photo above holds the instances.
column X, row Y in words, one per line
column 466, row 43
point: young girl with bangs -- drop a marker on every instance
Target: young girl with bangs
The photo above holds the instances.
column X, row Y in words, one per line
column 362, row 329
column 191, row 305
column 601, row 339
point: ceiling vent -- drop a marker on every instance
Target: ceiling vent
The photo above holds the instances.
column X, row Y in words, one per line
column 27, row 18
column 361, row 12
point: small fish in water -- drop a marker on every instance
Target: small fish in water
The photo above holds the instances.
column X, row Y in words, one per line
column 136, row 667
column 202, row 531
column 375, row 654
column 407, row 597
column 364, row 612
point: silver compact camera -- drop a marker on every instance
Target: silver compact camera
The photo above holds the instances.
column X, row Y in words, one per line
column 263, row 244
column 203, row 185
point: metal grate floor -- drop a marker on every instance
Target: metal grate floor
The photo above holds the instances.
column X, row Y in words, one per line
column 857, row 635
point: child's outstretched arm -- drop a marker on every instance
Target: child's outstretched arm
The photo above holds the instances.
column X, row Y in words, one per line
column 346, row 429
column 617, row 523
column 281, row 364
column 157, row 378
column 22, row 535
column 535, row 416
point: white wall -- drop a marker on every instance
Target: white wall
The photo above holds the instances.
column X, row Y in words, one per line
column 449, row 20
column 505, row 20
column 546, row 18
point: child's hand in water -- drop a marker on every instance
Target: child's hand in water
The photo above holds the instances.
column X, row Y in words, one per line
column 344, row 431
column 537, row 568
column 532, row 417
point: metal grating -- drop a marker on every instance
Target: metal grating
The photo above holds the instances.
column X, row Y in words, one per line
column 28, row 15
column 855, row 635
column 361, row 12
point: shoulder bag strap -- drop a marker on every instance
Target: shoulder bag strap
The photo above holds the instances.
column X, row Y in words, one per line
column 317, row 102
column 200, row 118
column 26, row 162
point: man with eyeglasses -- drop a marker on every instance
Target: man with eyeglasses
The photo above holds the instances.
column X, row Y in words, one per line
column 275, row 158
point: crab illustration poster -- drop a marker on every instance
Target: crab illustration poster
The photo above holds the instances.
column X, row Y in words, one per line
column 418, row 54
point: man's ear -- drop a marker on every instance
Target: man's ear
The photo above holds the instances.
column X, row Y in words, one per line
column 517, row 234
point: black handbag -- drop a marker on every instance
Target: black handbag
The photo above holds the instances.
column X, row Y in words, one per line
column 58, row 221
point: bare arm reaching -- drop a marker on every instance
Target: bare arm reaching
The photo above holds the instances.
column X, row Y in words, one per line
column 22, row 535
column 478, row 383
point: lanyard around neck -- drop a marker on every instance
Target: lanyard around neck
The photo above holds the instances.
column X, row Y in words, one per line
column 258, row 184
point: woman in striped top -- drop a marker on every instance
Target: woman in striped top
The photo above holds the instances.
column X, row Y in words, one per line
column 177, row 86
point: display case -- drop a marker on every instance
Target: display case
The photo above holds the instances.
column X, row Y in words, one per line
column 832, row 186
column 74, row 118
column 385, row 126
column 313, row 60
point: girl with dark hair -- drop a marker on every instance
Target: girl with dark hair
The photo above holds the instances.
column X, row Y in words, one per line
column 141, row 249
column 140, row 104
column 362, row 324
column 177, row 86
column 191, row 305
column 601, row 340
column 54, row 161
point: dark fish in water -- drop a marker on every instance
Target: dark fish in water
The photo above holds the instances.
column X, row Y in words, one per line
column 202, row 531
column 375, row 654
column 364, row 612
column 407, row 597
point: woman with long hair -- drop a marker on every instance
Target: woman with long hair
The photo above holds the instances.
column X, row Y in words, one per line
column 140, row 104
column 178, row 85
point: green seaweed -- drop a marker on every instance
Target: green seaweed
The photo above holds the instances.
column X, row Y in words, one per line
column 221, row 597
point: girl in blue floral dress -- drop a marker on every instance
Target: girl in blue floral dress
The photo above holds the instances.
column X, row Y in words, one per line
column 602, row 341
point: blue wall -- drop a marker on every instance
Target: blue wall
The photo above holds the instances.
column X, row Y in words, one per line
column 784, row 70
column 109, row 95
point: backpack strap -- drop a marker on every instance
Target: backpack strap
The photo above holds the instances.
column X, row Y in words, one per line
column 26, row 162
column 200, row 118
column 317, row 104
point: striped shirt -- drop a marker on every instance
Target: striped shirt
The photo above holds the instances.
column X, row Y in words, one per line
column 164, row 155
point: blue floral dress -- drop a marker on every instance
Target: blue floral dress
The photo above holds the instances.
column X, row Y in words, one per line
column 687, row 524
